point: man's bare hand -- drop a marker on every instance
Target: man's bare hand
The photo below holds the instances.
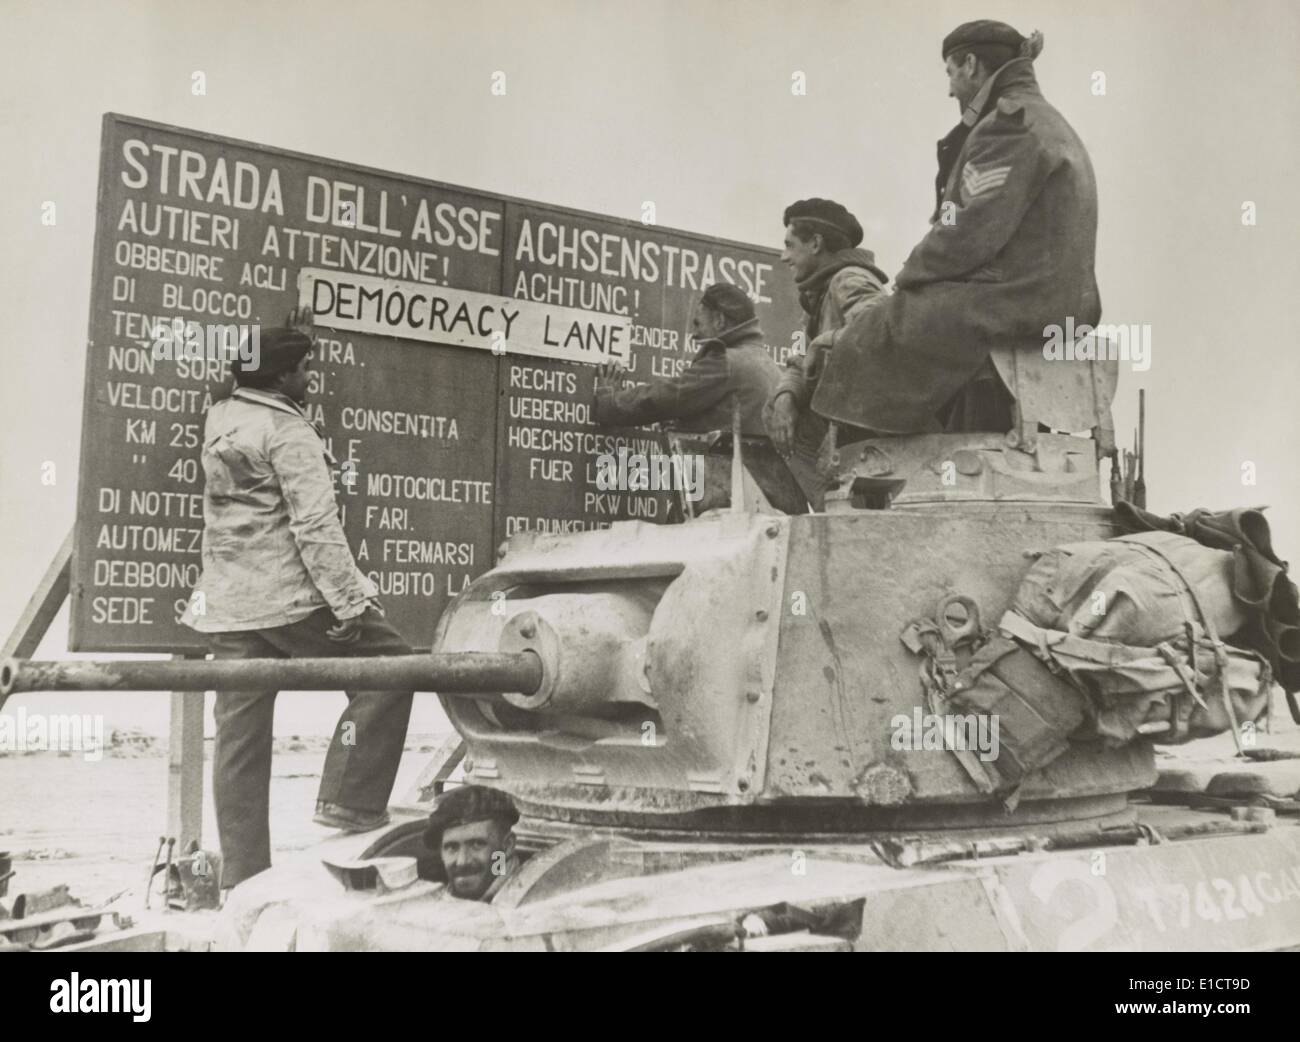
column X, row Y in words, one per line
column 780, row 420
column 608, row 374
column 346, row 631
column 815, row 359
column 301, row 319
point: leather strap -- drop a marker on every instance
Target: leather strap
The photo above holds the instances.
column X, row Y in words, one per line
column 1219, row 680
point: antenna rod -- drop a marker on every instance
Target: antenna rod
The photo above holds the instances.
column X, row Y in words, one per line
column 1140, row 488
column 738, row 503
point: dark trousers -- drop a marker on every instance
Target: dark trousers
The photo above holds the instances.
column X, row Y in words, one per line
column 769, row 471
column 360, row 766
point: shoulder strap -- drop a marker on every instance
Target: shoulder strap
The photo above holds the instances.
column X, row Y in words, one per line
column 1219, row 680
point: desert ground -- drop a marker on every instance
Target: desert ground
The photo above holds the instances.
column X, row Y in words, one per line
column 94, row 824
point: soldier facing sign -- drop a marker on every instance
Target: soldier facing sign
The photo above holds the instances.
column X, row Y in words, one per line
column 731, row 377
column 279, row 581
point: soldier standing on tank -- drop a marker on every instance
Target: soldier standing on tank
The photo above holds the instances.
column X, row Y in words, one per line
column 1010, row 253
column 279, row 581
column 731, row 370
column 836, row 280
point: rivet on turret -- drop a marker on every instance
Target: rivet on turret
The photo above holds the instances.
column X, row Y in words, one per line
column 742, row 785
column 528, row 631
column 773, row 531
column 752, row 696
column 761, row 615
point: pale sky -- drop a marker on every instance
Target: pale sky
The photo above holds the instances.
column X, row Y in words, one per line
column 689, row 105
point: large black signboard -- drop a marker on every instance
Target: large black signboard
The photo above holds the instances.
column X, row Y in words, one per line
column 458, row 333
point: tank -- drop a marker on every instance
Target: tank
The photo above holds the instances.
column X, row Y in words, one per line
column 700, row 726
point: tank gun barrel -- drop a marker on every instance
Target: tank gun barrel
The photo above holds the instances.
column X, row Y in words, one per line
column 467, row 674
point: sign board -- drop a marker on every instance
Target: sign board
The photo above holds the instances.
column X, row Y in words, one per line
column 457, row 332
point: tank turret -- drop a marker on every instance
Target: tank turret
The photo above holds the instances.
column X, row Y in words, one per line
column 744, row 675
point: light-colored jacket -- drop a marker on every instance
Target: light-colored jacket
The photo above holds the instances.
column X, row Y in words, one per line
column 274, row 550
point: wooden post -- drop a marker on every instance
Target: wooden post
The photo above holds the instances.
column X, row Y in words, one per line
column 185, row 768
column 185, row 740
column 42, row 606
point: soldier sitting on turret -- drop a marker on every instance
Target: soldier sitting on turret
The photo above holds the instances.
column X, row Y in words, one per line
column 474, row 848
column 1009, row 255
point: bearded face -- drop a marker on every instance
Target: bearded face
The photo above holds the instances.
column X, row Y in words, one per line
column 474, row 855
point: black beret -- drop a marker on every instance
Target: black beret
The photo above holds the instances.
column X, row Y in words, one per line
column 276, row 350
column 466, row 805
column 828, row 213
column 730, row 300
column 981, row 33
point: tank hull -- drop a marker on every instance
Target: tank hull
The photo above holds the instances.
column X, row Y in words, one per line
column 1234, row 891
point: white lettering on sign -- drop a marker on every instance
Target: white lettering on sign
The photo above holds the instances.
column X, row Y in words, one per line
column 440, row 314
column 559, row 245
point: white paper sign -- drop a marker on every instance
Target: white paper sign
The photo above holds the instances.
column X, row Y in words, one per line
column 442, row 315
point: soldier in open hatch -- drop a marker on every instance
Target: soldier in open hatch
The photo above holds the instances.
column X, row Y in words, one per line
column 1009, row 254
column 470, row 837
column 279, row 581
column 731, row 368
